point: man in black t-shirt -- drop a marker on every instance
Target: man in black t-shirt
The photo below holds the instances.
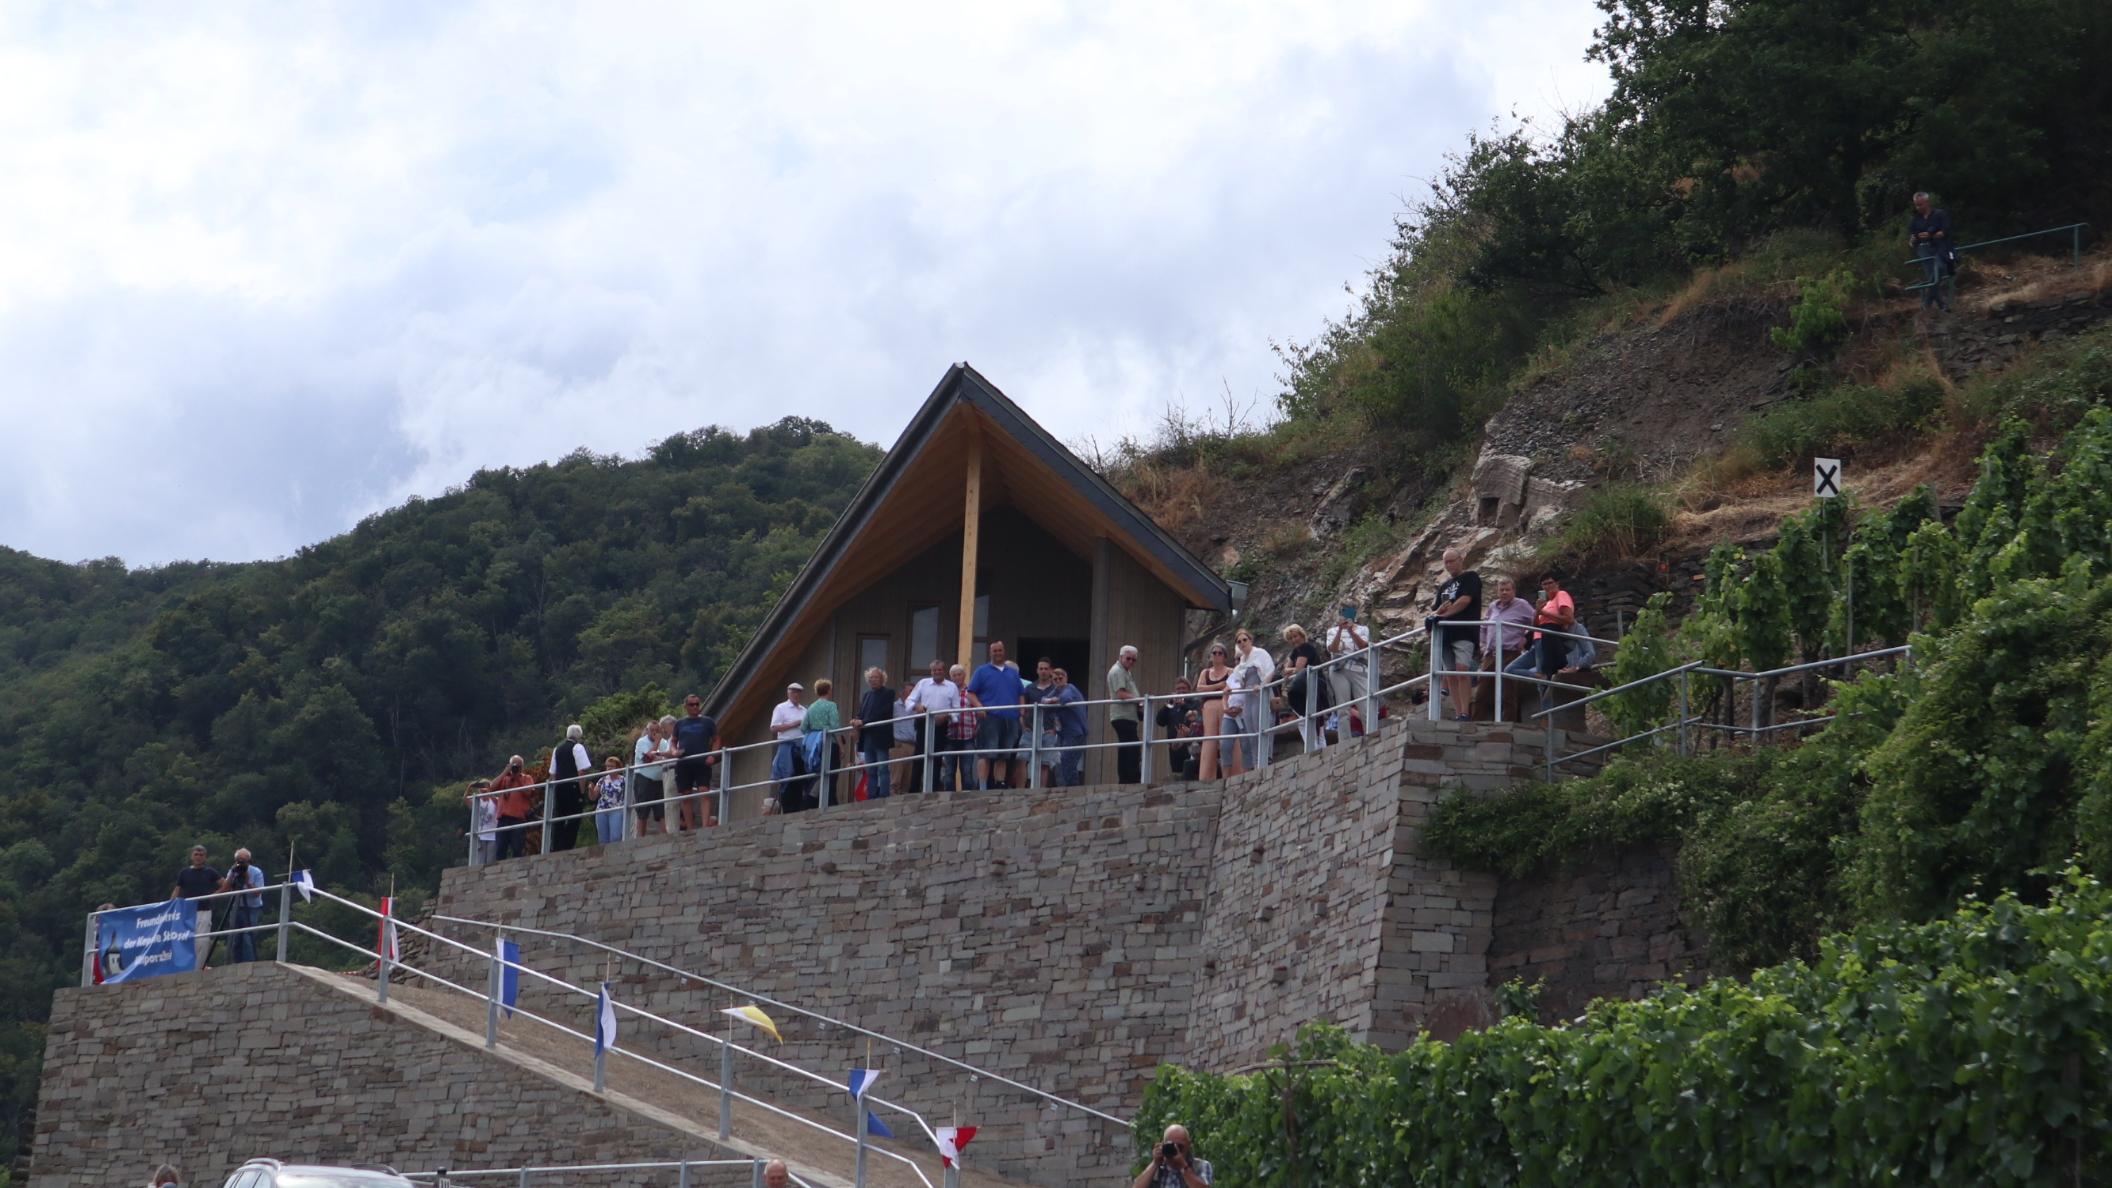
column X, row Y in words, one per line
column 696, row 736
column 1458, row 600
column 191, row 882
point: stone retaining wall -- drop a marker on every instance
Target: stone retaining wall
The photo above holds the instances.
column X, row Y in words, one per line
column 208, row 1070
column 1609, row 930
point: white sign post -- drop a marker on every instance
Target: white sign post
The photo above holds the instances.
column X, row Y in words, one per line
column 1825, row 478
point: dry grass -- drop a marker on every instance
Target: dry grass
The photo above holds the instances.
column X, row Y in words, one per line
column 1175, row 497
column 2034, row 280
column 1696, row 291
column 1754, row 504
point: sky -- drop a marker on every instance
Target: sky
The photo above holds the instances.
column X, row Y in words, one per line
column 268, row 268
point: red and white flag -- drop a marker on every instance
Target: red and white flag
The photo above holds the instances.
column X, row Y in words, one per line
column 951, row 1139
column 386, row 942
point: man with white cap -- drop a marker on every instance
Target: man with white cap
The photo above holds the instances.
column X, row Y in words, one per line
column 788, row 724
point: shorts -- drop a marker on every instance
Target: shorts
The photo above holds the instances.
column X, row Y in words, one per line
column 1456, row 655
column 692, row 774
column 999, row 732
column 645, row 797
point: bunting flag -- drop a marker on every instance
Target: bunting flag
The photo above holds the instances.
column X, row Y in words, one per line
column 875, row 1127
column 605, row 1022
column 861, row 1081
column 754, row 1016
column 304, row 882
column 951, row 1139
column 509, row 975
column 386, row 943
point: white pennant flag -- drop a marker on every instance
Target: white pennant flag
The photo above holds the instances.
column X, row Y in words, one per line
column 304, row 882
column 605, row 1022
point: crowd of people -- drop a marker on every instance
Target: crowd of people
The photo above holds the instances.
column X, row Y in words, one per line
column 1000, row 727
column 1542, row 640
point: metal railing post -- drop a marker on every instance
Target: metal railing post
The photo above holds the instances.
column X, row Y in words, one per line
column 931, row 755
column 88, row 945
column 953, row 1175
column 725, row 788
column 756, row 1180
column 821, row 774
column 524, row 1178
column 858, row 1122
column 1550, row 746
column 1371, row 684
column 682, row 1174
column 1315, row 734
column 1264, row 737
column 1683, row 714
column 726, row 1089
column 1034, row 746
column 1756, row 681
column 494, row 987
column 473, row 803
column 549, row 807
column 601, row 1065
column 1496, row 713
column 381, row 961
column 1437, row 712
column 1144, row 726
column 285, row 916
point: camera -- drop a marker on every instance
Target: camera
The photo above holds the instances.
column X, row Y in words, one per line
column 1170, row 1152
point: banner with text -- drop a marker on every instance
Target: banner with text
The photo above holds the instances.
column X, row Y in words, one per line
column 148, row 941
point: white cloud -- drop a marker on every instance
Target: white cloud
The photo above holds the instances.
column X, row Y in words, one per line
column 264, row 269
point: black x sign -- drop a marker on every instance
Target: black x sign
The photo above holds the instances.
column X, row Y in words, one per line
column 1825, row 477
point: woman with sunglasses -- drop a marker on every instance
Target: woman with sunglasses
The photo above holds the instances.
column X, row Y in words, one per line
column 1210, row 687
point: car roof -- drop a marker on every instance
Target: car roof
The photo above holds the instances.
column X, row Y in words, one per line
column 379, row 1175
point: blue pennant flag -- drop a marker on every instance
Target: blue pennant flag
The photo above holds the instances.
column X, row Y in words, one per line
column 862, row 1080
column 509, row 975
column 874, row 1126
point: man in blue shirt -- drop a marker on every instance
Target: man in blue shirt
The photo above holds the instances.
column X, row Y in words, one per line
column 1069, row 720
column 995, row 686
column 248, row 909
column 1929, row 233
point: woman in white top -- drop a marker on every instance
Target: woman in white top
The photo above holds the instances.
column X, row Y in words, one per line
column 1252, row 669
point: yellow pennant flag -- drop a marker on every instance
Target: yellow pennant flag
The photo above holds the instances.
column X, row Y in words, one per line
column 755, row 1015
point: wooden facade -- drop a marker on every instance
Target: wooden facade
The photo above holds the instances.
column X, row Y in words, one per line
column 977, row 526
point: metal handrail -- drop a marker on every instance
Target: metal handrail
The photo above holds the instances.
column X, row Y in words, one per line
column 387, row 963
column 826, row 1020
column 523, row 1175
column 2075, row 249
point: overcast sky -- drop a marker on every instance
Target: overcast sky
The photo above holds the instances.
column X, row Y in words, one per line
column 267, row 268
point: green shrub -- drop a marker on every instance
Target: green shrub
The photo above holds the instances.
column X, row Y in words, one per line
column 1620, row 520
column 1837, row 421
column 1818, row 322
column 1968, row 1051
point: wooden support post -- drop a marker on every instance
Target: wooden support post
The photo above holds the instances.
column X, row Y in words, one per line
column 971, row 531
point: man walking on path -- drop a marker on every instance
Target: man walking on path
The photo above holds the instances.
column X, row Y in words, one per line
column 1929, row 234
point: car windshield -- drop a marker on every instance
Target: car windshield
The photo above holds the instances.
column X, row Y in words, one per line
column 334, row 1179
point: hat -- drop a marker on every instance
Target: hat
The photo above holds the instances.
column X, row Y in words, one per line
column 795, row 685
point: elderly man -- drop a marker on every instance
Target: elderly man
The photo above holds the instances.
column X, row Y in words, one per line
column 777, row 1175
column 248, row 908
column 1458, row 600
column 570, row 769
column 933, row 701
column 1929, row 235
column 1348, row 678
column 788, row 762
column 1173, row 1163
column 515, row 802
column 1126, row 716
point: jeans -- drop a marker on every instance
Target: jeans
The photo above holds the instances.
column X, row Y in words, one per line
column 242, row 946
column 1128, row 761
column 1070, row 764
column 512, row 837
column 1931, row 256
column 608, row 824
column 876, row 781
column 955, row 762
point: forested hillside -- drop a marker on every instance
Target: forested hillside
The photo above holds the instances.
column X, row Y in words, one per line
column 321, row 698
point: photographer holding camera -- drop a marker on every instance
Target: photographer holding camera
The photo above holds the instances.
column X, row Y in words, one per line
column 1174, row 1164
column 247, row 910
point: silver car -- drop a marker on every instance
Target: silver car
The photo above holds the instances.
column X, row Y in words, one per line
column 270, row 1173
